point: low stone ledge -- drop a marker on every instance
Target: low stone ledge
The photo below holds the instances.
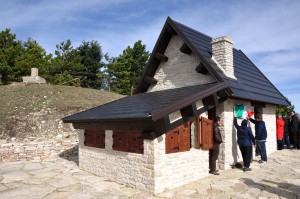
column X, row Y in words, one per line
column 37, row 151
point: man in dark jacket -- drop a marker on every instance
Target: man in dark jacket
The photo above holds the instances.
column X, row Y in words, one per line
column 214, row 152
column 260, row 136
column 286, row 134
column 245, row 140
column 294, row 130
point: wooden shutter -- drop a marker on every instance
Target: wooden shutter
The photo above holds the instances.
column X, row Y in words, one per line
column 206, row 133
column 179, row 139
column 94, row 138
column 135, row 142
column 185, row 137
column 128, row 142
column 172, row 141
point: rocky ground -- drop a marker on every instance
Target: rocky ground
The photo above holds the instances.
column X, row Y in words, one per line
column 60, row 178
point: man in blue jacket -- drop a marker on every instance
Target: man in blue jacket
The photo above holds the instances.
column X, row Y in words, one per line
column 260, row 136
column 245, row 140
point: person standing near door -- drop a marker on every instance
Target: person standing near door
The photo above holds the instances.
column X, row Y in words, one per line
column 260, row 136
column 294, row 130
column 214, row 151
column 245, row 140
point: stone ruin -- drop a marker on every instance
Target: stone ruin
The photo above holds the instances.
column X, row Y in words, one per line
column 34, row 78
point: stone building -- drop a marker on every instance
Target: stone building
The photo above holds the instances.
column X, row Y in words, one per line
column 159, row 138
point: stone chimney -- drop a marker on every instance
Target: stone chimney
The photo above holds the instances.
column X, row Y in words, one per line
column 222, row 51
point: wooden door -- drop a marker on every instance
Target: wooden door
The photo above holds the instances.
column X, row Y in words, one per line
column 206, row 133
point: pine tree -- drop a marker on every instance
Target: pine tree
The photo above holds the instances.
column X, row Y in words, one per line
column 66, row 62
column 91, row 55
column 10, row 48
column 128, row 68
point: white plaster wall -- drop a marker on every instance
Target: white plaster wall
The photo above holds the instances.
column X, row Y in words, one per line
column 179, row 70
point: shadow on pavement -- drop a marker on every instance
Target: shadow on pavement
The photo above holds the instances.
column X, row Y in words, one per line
column 283, row 190
column 70, row 154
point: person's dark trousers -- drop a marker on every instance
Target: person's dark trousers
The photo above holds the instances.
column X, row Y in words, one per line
column 262, row 149
column 257, row 152
column 298, row 140
column 213, row 156
column 246, row 154
column 279, row 144
column 286, row 141
column 294, row 138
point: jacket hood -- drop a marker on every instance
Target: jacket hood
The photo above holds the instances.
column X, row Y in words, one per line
column 244, row 123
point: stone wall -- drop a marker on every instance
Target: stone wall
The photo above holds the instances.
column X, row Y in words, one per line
column 37, row 151
column 135, row 170
column 179, row 70
column 154, row 171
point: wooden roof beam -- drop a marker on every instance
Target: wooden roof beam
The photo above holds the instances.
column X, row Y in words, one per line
column 150, row 80
column 185, row 49
column 201, row 69
column 211, row 100
column 160, row 56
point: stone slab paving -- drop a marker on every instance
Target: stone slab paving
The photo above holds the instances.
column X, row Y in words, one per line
column 61, row 179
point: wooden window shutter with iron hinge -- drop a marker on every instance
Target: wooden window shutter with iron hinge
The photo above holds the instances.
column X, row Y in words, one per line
column 205, row 130
column 178, row 139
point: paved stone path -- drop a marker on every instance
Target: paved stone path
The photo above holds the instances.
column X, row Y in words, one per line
column 61, row 179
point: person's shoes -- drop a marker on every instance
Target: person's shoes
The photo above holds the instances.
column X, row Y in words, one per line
column 263, row 162
column 214, row 172
column 247, row 169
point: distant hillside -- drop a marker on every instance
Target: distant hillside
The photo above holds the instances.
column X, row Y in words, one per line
column 35, row 111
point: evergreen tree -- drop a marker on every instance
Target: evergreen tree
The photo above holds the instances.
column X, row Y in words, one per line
column 32, row 56
column 10, row 48
column 66, row 63
column 285, row 110
column 91, row 55
column 107, row 74
column 128, row 68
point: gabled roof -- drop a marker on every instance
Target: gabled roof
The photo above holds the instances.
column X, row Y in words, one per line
column 148, row 111
column 251, row 83
column 152, row 105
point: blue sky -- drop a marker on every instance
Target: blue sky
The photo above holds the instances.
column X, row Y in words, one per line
column 268, row 32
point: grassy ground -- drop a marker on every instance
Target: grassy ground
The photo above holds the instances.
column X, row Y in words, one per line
column 18, row 100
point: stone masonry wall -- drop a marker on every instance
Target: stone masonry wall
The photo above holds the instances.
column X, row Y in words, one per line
column 135, row 170
column 37, row 151
column 154, row 171
column 179, row 70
